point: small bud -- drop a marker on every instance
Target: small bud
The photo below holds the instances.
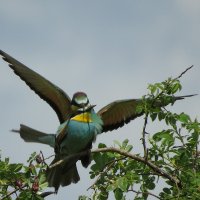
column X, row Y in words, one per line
column 35, row 186
column 18, row 183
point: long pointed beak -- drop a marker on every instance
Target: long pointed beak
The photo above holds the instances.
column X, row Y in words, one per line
column 92, row 106
column 87, row 108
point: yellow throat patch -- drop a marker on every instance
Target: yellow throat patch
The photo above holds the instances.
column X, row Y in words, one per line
column 83, row 117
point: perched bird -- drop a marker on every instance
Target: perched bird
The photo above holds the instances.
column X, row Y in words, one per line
column 79, row 123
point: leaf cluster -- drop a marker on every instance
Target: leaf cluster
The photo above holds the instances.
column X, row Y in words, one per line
column 23, row 182
column 173, row 150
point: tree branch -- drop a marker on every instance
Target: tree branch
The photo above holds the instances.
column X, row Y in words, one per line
column 68, row 158
column 155, row 168
column 140, row 159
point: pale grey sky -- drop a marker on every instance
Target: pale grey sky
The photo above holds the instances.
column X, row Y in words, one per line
column 109, row 49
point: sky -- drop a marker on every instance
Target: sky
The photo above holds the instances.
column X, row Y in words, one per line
column 109, row 49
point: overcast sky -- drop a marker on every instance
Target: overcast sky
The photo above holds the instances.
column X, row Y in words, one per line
column 109, row 49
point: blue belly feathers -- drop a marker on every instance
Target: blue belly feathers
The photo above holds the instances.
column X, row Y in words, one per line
column 80, row 134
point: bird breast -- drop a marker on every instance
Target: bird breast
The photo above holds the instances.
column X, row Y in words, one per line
column 81, row 131
column 83, row 117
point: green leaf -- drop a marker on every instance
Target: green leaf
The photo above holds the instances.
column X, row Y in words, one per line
column 167, row 190
column 83, row 198
column 175, row 88
column 157, row 136
column 101, row 145
column 122, row 183
column 153, row 116
column 117, row 143
column 42, row 181
column 184, row 118
column 165, row 134
column 15, row 167
column 161, row 116
column 44, row 185
column 151, row 185
column 139, row 109
column 101, row 160
column 124, row 143
column 160, row 86
column 103, row 195
column 42, row 178
column 129, row 148
column 32, row 157
column 118, row 194
column 111, row 187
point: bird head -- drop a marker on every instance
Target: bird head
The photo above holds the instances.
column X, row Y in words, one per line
column 80, row 103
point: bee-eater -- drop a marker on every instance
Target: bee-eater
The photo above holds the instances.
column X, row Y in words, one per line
column 79, row 123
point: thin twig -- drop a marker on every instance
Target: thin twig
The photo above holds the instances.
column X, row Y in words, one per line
column 49, row 157
column 13, row 192
column 149, row 193
column 68, row 158
column 144, row 134
column 195, row 158
column 184, row 72
column 106, row 168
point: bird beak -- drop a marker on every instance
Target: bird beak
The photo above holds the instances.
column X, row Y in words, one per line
column 91, row 107
column 87, row 108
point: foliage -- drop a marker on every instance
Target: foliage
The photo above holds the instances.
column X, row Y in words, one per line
column 24, row 182
column 167, row 168
column 173, row 151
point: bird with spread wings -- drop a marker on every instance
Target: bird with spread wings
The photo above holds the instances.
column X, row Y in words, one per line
column 79, row 123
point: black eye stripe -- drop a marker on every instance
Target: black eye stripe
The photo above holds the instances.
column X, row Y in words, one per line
column 79, row 105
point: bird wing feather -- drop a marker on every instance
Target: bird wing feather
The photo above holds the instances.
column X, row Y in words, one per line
column 49, row 92
column 119, row 113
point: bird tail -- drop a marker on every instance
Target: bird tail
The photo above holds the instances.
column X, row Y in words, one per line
column 63, row 174
column 31, row 135
column 185, row 96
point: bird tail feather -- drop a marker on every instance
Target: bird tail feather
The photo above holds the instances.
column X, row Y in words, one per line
column 63, row 174
column 31, row 135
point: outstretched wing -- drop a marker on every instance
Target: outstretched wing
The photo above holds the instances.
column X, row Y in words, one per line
column 118, row 113
column 53, row 95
